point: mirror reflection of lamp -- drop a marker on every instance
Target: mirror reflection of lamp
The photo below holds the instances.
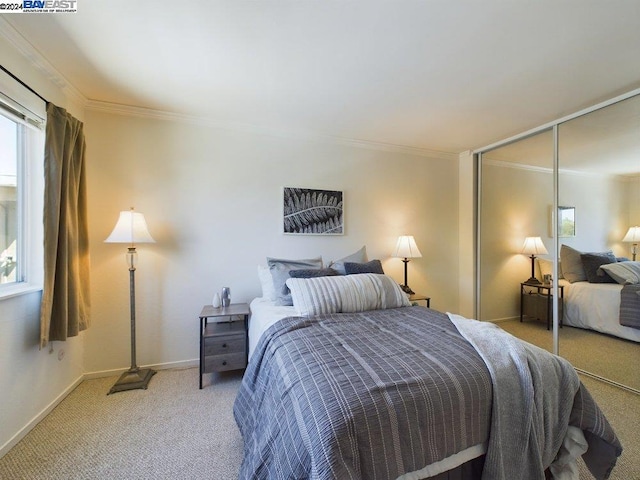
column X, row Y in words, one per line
column 633, row 237
column 533, row 246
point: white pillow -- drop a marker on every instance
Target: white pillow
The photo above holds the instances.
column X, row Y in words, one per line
column 348, row 293
column 625, row 273
column 266, row 282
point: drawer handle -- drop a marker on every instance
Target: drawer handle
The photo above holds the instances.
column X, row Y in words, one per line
column 224, row 362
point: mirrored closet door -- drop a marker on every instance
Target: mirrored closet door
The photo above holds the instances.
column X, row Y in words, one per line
column 532, row 209
column 516, row 188
column 599, row 176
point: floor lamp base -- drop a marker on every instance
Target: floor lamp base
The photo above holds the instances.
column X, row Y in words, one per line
column 133, row 380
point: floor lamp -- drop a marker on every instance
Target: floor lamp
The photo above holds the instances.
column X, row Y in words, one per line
column 131, row 228
column 406, row 248
column 633, row 237
column 533, row 246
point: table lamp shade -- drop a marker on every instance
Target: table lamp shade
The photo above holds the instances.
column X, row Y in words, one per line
column 406, row 247
column 131, row 228
column 533, row 246
column 633, row 235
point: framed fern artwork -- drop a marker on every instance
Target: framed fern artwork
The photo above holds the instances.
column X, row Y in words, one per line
column 308, row 211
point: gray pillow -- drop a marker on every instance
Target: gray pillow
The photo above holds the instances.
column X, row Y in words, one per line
column 313, row 273
column 280, row 268
column 374, row 266
column 571, row 262
column 624, row 272
column 591, row 262
column 357, row 257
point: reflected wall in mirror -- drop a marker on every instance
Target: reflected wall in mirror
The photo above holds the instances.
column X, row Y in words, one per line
column 516, row 189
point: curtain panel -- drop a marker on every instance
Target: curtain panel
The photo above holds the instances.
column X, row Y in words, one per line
column 65, row 308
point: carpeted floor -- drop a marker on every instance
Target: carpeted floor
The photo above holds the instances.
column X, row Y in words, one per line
column 175, row 431
column 172, row 430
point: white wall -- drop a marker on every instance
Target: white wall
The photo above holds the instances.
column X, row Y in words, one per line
column 212, row 199
column 32, row 380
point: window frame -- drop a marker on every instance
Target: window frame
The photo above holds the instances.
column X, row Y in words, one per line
column 23, row 107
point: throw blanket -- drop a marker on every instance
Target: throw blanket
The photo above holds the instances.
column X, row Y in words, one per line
column 529, row 380
column 630, row 306
column 379, row 394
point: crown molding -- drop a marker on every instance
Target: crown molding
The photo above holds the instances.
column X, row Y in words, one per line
column 39, row 62
column 576, row 173
column 141, row 112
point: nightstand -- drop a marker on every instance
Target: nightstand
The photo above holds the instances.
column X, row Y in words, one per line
column 536, row 300
column 224, row 343
column 417, row 297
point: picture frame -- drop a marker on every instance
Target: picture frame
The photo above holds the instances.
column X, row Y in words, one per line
column 311, row 211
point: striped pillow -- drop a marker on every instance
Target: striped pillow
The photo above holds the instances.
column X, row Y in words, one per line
column 346, row 294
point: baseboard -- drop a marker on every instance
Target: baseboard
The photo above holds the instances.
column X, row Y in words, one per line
column 39, row 417
column 158, row 366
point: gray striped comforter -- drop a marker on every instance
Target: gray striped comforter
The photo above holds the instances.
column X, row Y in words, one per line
column 366, row 395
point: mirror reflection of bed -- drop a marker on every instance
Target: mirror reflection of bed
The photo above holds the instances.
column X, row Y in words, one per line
column 599, row 175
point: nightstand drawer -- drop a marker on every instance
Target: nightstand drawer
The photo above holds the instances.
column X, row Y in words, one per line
column 224, row 344
column 221, row 363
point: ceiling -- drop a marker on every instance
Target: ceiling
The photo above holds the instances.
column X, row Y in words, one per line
column 438, row 75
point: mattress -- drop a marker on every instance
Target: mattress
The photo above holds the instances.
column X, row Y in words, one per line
column 596, row 306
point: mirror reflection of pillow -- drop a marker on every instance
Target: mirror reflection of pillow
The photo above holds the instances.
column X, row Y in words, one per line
column 591, row 262
column 624, row 273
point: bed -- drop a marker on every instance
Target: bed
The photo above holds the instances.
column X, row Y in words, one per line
column 406, row 392
column 596, row 306
column 594, row 284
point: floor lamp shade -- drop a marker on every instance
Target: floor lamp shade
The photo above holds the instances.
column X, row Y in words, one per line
column 406, row 248
column 633, row 237
column 533, row 246
column 131, row 228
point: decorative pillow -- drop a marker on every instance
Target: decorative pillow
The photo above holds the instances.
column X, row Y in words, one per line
column 591, row 262
column 266, row 282
column 374, row 266
column 313, row 273
column 357, row 257
column 346, row 293
column 280, row 268
column 625, row 273
column 572, row 268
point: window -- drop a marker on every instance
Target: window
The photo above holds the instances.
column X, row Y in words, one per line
column 11, row 158
column 21, row 188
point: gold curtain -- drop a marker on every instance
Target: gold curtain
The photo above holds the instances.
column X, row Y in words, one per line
column 65, row 305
